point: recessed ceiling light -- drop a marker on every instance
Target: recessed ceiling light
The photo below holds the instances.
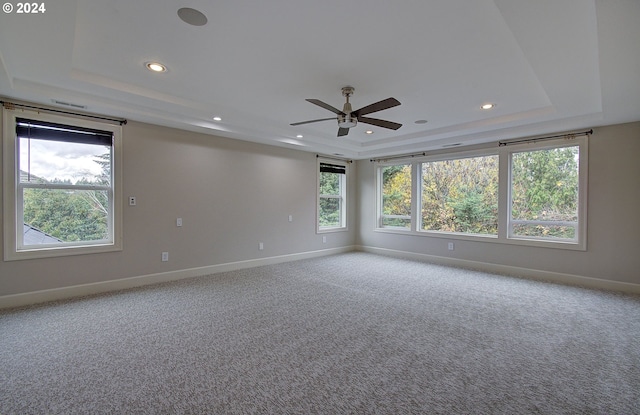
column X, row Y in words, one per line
column 368, row 132
column 217, row 119
column 488, row 106
column 420, row 121
column 156, row 67
column 299, row 136
column 192, row 16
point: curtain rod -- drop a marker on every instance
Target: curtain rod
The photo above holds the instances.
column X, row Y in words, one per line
column 12, row 105
column 333, row 158
column 404, row 156
column 549, row 137
column 500, row 144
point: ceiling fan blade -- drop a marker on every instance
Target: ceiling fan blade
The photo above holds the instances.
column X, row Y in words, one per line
column 380, row 123
column 378, row 106
column 325, row 106
column 310, row 121
column 342, row 131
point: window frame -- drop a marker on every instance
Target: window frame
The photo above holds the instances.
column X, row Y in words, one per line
column 454, row 156
column 380, row 216
column 14, row 248
column 504, row 196
column 342, row 197
column 580, row 243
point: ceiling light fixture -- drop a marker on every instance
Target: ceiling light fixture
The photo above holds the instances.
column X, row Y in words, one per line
column 420, row 121
column 488, row 106
column 368, row 132
column 217, row 119
column 299, row 136
column 155, row 67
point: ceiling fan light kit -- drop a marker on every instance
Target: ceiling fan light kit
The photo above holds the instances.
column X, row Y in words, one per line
column 347, row 121
column 347, row 118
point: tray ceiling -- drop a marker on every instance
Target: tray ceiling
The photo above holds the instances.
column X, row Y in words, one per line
column 548, row 66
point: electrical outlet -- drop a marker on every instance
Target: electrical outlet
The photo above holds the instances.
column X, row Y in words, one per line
column 290, row 218
column 165, row 256
column 261, row 246
column 132, row 200
column 324, row 239
column 451, row 246
column 179, row 222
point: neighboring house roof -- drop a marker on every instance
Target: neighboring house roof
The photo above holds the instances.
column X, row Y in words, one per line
column 34, row 236
column 29, row 177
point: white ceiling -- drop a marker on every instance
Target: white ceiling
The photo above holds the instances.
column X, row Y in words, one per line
column 548, row 65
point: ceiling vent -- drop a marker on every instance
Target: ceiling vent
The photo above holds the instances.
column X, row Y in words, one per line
column 69, row 104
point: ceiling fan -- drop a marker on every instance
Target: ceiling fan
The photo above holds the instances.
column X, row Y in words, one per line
column 347, row 118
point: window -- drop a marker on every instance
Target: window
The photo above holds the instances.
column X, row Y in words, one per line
column 525, row 194
column 60, row 186
column 545, row 194
column 395, row 196
column 460, row 195
column 332, row 188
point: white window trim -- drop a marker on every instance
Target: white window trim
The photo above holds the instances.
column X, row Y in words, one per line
column 379, row 196
column 418, row 190
column 343, row 220
column 581, row 243
column 13, row 226
column 504, row 186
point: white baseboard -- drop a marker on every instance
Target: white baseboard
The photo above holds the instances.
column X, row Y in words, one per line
column 534, row 274
column 34, row 297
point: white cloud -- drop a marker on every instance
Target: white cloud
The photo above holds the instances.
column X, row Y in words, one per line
column 59, row 160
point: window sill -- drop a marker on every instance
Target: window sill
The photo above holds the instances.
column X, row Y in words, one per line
column 332, row 230
column 568, row 245
column 11, row 255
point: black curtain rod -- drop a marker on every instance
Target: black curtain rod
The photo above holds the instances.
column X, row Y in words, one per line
column 549, row 137
column 405, row 156
column 500, row 144
column 12, row 105
column 333, row 158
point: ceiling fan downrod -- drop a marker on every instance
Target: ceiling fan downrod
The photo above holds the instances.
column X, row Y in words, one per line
column 347, row 120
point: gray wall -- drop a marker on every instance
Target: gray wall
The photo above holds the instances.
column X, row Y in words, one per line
column 233, row 194
column 230, row 194
column 613, row 236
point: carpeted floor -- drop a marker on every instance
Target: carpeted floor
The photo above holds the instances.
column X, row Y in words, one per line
column 348, row 334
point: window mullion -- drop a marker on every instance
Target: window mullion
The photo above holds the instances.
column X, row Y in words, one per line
column 416, row 196
column 504, row 194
